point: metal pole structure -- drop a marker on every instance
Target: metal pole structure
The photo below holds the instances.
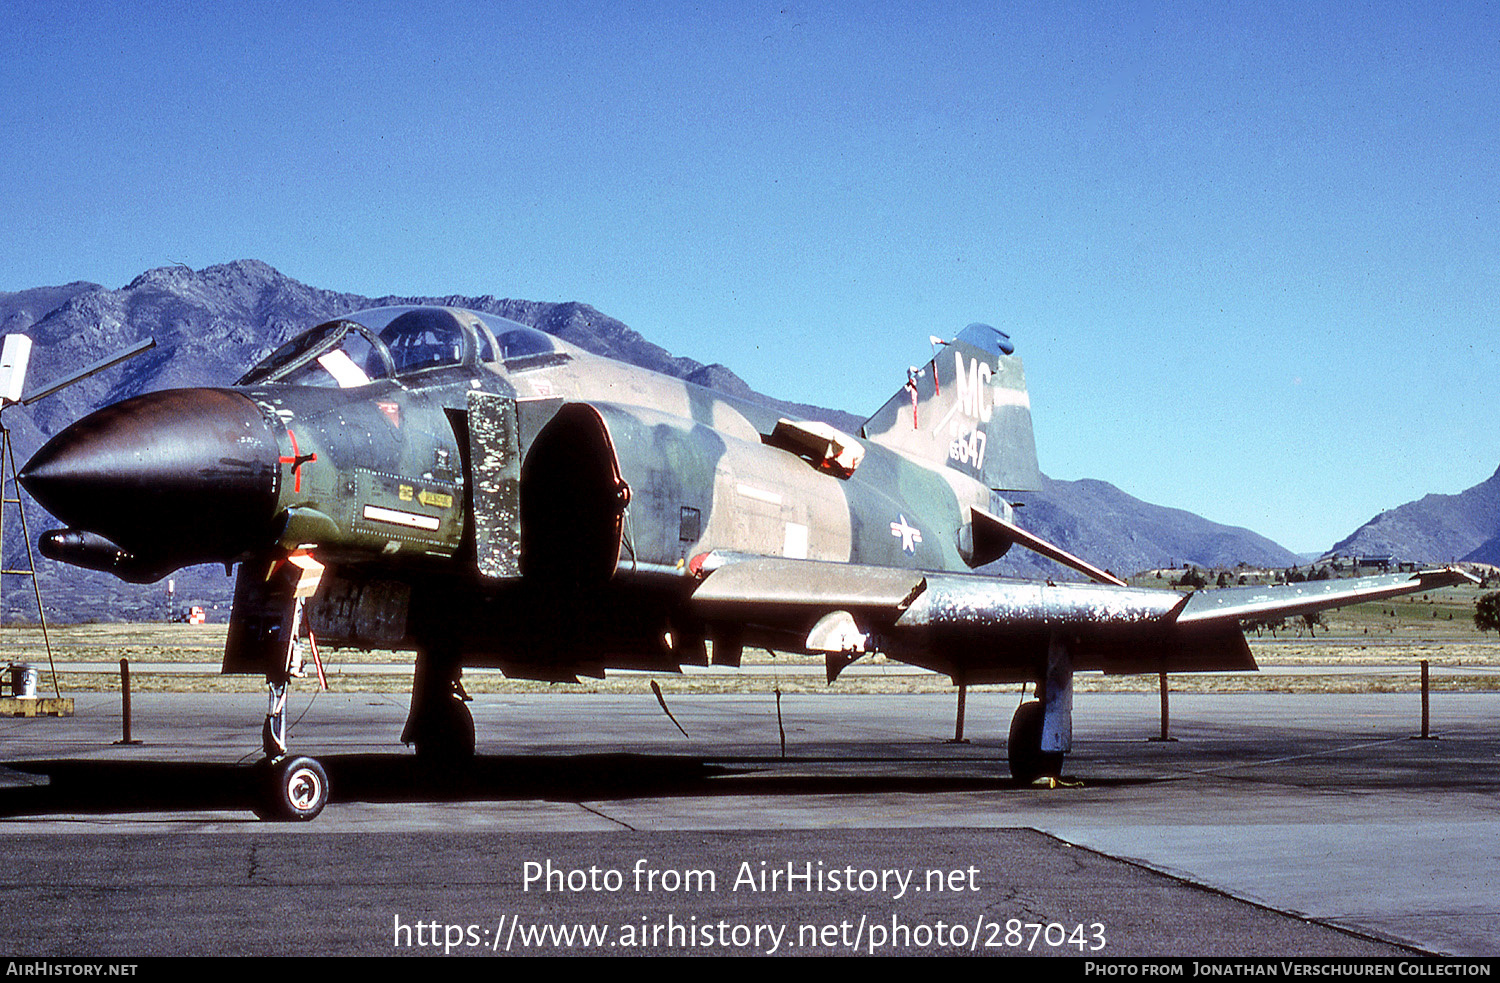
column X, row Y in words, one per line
column 125, row 704
column 8, row 464
column 958, row 727
column 780, row 727
column 1165, row 712
column 1166, row 717
column 1426, row 717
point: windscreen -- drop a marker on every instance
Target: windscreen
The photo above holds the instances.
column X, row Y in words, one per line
column 339, row 354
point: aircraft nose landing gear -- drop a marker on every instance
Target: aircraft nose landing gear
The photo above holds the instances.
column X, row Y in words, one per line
column 293, row 788
column 290, row 788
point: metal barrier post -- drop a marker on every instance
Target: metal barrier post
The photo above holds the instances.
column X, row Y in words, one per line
column 958, row 726
column 125, row 703
column 1166, row 717
column 1426, row 716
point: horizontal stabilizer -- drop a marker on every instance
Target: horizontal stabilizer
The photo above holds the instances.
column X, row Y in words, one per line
column 988, row 526
column 1289, row 600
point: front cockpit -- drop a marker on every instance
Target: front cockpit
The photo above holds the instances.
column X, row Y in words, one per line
column 397, row 342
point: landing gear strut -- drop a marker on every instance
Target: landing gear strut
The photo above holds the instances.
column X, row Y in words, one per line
column 439, row 723
column 1028, row 761
column 1041, row 732
column 289, row 788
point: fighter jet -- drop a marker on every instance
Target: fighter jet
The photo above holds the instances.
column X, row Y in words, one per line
column 438, row 480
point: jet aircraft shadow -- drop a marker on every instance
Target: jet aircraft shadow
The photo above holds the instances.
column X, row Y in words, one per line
column 84, row 786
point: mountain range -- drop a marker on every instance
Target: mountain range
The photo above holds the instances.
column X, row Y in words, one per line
column 211, row 324
column 1435, row 528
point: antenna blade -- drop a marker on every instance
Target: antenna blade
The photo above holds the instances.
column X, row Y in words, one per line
column 99, row 366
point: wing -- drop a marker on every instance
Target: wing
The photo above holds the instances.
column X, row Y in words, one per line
column 1289, row 600
column 983, row 629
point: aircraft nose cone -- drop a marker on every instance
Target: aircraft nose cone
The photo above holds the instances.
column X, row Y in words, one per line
column 189, row 474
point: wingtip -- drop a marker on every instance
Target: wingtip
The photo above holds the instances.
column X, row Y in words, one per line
column 1446, row 577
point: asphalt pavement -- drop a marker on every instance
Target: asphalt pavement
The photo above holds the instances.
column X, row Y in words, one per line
column 1271, row 825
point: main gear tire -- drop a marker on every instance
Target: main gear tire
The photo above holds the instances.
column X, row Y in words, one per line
column 1028, row 762
column 446, row 732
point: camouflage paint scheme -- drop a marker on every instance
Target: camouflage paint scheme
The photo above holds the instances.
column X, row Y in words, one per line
column 702, row 476
column 492, row 496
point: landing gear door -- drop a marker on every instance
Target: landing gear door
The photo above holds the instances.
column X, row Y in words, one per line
column 260, row 623
column 495, row 466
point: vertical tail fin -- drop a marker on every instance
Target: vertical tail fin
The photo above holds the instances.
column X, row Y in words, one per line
column 967, row 410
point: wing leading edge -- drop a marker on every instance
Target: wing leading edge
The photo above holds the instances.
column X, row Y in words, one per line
column 1290, row 600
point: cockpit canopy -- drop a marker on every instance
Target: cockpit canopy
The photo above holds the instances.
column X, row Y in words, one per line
column 396, row 342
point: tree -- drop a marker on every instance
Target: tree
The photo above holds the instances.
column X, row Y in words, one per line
column 1193, row 577
column 1487, row 612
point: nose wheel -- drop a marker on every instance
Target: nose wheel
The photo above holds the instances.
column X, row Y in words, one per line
column 293, row 788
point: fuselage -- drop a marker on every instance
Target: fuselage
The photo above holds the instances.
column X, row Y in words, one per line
column 441, row 452
column 379, row 470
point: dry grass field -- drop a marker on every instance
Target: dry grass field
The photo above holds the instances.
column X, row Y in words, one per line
column 1367, row 648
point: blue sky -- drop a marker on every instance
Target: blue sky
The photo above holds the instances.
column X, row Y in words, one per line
column 1249, row 252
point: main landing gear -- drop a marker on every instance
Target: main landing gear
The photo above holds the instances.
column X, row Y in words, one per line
column 1028, row 762
column 439, row 723
column 1041, row 732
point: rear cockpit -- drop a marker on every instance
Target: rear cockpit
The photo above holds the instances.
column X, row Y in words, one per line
column 400, row 342
column 523, row 348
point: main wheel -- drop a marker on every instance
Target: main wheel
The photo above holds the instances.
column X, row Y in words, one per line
column 446, row 732
column 293, row 789
column 1028, row 761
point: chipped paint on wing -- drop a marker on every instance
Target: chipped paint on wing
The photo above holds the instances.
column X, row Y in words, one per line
column 983, row 602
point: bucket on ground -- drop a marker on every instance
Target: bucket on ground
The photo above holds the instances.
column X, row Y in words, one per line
column 23, row 681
